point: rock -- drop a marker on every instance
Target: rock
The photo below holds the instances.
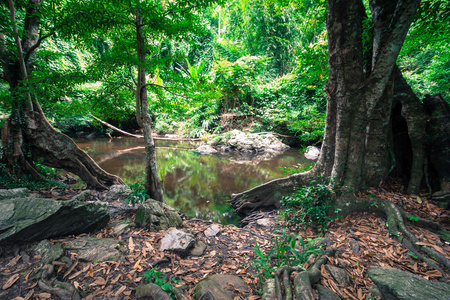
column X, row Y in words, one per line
column 399, row 285
column 326, row 294
column 48, row 251
column 121, row 228
column 205, row 149
column 265, row 222
column 178, row 241
column 115, row 193
column 312, row 153
column 83, row 196
column 151, row 291
column 340, row 275
column 34, row 219
column 221, row 287
column 157, row 215
column 199, row 249
column 14, row 193
column 248, row 143
column 212, row 230
column 93, row 249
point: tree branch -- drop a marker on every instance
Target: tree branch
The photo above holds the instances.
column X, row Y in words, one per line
column 37, row 44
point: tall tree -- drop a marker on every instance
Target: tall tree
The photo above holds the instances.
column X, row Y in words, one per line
column 27, row 135
column 365, row 90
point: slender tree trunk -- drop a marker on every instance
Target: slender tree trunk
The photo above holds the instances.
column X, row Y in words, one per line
column 153, row 184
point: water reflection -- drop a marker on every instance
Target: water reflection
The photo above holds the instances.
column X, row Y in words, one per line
column 198, row 185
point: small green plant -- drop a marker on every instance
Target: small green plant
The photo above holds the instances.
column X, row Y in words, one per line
column 138, row 192
column 309, row 206
column 287, row 250
column 413, row 218
column 157, row 277
column 299, row 168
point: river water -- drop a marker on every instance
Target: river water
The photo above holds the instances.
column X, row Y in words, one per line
column 197, row 185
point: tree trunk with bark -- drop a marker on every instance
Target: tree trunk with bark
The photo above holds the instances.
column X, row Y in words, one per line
column 357, row 149
column 153, row 184
column 27, row 135
column 375, row 125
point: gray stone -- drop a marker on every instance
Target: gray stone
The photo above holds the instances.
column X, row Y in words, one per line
column 312, row 153
column 83, row 196
column 157, row 215
column 212, row 230
column 34, row 219
column 221, row 287
column 340, row 275
column 93, row 249
column 265, row 222
column 121, row 228
column 399, row 285
column 248, row 143
column 206, row 149
column 177, row 240
column 199, row 249
column 48, row 251
column 115, row 193
column 151, row 291
column 14, row 193
column 326, row 294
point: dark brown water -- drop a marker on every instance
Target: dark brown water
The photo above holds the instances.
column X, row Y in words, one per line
column 198, row 185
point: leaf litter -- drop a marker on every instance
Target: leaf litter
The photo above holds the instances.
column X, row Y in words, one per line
column 231, row 252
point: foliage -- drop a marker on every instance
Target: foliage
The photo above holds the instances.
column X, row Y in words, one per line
column 287, row 250
column 158, row 278
column 308, row 206
column 9, row 181
column 138, row 192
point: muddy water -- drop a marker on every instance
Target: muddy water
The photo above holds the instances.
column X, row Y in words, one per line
column 198, row 185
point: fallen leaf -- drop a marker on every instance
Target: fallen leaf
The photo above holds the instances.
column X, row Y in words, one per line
column 44, row 295
column 10, row 281
column 70, row 269
column 120, row 290
column 130, row 277
column 91, row 272
column 13, row 261
column 130, row 244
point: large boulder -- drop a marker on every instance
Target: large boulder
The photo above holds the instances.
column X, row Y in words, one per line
column 14, row 193
column 395, row 284
column 34, row 219
column 221, row 287
column 157, row 215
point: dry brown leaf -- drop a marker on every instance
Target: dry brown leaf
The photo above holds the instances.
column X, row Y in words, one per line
column 433, row 273
column 28, row 274
column 44, row 295
column 13, row 261
column 100, row 281
column 70, row 269
column 10, row 281
column 130, row 244
column 120, row 290
column 91, row 272
column 130, row 277
column 29, row 294
column 33, row 285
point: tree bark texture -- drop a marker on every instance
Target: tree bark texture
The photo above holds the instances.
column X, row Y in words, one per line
column 27, row 135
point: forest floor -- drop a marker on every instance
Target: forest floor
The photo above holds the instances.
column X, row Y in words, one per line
column 230, row 252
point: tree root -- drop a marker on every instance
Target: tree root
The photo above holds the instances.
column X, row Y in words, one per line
column 395, row 222
column 62, row 289
column 303, row 281
column 269, row 194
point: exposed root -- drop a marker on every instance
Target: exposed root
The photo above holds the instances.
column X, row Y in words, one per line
column 395, row 222
column 268, row 194
column 61, row 289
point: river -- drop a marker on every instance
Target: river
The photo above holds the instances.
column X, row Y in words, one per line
column 197, row 185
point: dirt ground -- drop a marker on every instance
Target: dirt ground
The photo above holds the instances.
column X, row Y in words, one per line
column 230, row 252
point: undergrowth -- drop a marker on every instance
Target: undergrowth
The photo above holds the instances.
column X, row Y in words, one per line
column 309, row 206
column 287, row 250
column 157, row 277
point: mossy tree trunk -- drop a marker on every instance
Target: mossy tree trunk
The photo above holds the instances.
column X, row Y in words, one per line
column 27, row 135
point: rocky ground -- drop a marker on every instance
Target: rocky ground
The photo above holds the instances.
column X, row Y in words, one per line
column 362, row 241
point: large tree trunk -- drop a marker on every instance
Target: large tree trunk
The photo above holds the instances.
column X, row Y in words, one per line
column 358, row 144
column 27, row 136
